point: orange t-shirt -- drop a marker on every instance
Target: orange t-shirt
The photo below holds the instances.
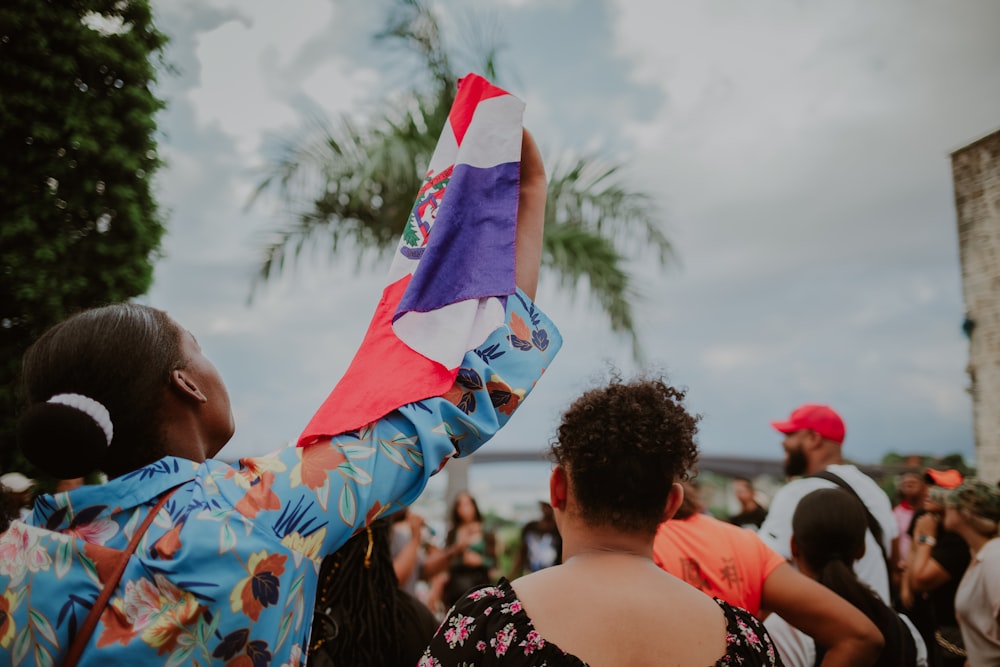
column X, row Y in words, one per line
column 718, row 558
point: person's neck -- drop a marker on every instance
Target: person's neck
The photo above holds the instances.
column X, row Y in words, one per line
column 590, row 542
column 749, row 505
column 976, row 540
column 823, row 461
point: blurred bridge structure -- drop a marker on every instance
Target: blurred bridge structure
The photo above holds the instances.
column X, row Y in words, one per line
column 726, row 466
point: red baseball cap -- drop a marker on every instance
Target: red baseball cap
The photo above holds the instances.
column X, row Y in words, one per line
column 813, row 417
column 948, row 479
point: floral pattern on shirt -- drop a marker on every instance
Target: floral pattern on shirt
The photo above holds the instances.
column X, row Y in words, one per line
column 489, row 626
column 227, row 572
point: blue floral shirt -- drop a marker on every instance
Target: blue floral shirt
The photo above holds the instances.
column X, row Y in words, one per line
column 226, row 574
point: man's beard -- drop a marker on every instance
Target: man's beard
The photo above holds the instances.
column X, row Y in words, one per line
column 796, row 463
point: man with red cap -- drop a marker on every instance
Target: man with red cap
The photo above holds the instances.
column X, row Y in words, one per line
column 814, row 437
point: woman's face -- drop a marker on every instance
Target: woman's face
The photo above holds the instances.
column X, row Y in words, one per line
column 952, row 518
column 217, row 415
column 465, row 508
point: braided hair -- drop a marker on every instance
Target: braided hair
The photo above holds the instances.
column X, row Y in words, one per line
column 357, row 615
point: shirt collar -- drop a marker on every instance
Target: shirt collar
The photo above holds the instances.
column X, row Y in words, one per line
column 122, row 493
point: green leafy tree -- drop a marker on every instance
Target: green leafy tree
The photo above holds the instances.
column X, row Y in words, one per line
column 357, row 183
column 78, row 222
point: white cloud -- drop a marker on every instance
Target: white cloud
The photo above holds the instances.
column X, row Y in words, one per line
column 799, row 151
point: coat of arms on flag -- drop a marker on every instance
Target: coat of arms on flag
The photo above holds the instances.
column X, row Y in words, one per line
column 451, row 272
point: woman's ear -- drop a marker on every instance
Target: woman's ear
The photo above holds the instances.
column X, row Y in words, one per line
column 558, row 488
column 183, row 383
column 674, row 500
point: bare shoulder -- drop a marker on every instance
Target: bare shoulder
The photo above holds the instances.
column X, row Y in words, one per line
column 603, row 614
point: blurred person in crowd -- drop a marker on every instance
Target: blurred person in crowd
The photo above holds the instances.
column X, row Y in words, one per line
column 69, row 484
column 541, row 545
column 813, row 444
column 828, row 535
column 751, row 513
column 934, row 566
column 470, row 549
column 911, row 489
column 362, row 616
column 973, row 511
column 407, row 548
column 733, row 564
column 607, row 603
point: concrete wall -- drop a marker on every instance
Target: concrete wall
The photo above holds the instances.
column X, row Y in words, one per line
column 976, row 175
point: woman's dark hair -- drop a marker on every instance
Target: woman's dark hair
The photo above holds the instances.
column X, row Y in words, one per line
column 456, row 519
column 623, row 446
column 829, row 527
column 357, row 615
column 119, row 355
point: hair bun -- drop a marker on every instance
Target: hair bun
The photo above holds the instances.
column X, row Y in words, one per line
column 62, row 440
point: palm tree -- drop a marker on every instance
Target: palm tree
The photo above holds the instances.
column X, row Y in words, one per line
column 358, row 183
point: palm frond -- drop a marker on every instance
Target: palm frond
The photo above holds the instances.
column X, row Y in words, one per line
column 575, row 253
column 588, row 192
column 345, row 183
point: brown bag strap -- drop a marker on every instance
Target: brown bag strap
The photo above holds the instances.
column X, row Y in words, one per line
column 90, row 623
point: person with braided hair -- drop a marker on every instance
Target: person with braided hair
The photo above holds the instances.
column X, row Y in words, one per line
column 362, row 617
column 828, row 536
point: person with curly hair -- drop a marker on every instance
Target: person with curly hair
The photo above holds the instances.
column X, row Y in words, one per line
column 621, row 452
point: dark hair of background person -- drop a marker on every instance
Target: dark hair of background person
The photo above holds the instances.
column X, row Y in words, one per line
column 828, row 528
column 361, row 615
column 455, row 520
column 622, row 446
column 120, row 355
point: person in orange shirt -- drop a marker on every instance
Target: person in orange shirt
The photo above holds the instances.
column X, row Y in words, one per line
column 716, row 557
column 733, row 564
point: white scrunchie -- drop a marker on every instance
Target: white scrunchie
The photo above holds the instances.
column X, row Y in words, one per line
column 93, row 409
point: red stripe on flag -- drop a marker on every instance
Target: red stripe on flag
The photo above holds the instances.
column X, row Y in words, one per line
column 472, row 89
column 408, row 376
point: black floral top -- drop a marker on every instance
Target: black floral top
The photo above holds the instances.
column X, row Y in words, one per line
column 488, row 626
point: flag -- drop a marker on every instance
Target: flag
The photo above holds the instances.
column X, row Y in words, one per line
column 451, row 272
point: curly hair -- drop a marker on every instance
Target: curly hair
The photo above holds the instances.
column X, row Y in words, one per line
column 623, row 446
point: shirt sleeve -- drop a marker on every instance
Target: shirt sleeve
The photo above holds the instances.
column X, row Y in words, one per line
column 795, row 647
column 776, row 531
column 313, row 498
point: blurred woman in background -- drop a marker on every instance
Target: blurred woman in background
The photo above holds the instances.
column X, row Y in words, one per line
column 973, row 511
column 469, row 548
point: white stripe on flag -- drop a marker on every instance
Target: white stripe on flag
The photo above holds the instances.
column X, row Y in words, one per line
column 438, row 336
column 494, row 134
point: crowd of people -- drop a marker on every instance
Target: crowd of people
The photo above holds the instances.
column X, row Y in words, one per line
column 310, row 555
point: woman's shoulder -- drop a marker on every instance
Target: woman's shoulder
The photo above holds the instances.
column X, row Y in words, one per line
column 490, row 623
column 747, row 642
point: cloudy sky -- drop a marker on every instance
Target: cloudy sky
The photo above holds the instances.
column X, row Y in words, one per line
column 798, row 151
